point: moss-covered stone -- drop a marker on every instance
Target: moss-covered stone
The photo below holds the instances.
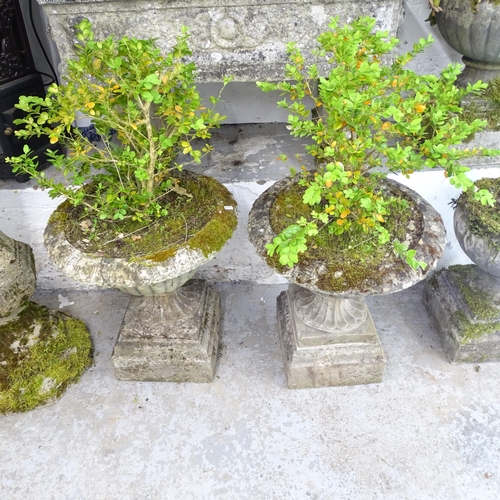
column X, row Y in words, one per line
column 41, row 352
column 480, row 304
column 473, row 330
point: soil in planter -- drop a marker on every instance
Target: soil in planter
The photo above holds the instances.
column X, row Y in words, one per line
column 484, row 221
column 353, row 260
column 200, row 222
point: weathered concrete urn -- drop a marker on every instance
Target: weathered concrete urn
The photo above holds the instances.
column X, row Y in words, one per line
column 474, row 31
column 42, row 351
column 329, row 338
column 464, row 301
column 171, row 327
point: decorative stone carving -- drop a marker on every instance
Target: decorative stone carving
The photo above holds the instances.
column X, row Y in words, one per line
column 243, row 38
column 327, row 356
column 330, row 338
column 42, row 351
column 464, row 301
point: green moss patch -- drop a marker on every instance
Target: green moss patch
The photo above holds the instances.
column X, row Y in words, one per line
column 197, row 222
column 472, row 331
column 479, row 304
column 42, row 352
column 354, row 259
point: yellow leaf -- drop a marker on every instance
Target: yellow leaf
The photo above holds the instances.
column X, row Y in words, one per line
column 419, row 108
column 380, row 218
column 53, row 140
column 96, row 63
column 345, row 213
column 90, row 105
column 328, row 183
column 386, row 125
column 340, row 222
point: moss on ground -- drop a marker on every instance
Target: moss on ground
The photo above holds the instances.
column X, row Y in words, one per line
column 353, row 260
column 41, row 352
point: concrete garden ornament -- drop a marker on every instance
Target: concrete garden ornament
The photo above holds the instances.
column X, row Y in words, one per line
column 464, row 301
column 472, row 28
column 42, row 351
column 343, row 231
column 133, row 218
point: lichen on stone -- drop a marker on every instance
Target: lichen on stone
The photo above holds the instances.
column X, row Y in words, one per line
column 473, row 331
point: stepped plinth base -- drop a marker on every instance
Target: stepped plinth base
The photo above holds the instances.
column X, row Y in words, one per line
column 321, row 352
column 171, row 337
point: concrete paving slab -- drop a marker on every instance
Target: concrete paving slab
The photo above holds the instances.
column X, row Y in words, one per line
column 430, row 430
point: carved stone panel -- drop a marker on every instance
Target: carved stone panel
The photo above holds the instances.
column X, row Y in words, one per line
column 243, row 38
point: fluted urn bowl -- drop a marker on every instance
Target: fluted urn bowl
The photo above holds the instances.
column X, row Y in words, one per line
column 484, row 249
column 474, row 32
column 149, row 276
column 429, row 248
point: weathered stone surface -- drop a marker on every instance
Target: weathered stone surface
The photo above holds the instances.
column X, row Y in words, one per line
column 473, row 31
column 482, row 250
column 17, row 276
column 243, row 38
column 327, row 340
column 170, row 338
column 42, row 352
column 466, row 318
column 429, row 248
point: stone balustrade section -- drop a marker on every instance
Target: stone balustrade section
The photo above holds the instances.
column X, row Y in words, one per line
column 243, row 38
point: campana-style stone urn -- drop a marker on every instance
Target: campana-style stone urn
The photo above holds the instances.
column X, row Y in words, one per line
column 170, row 330
column 328, row 337
column 42, row 351
column 473, row 29
column 464, row 300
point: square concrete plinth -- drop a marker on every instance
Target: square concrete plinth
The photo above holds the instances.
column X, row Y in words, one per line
column 469, row 333
column 344, row 358
column 170, row 338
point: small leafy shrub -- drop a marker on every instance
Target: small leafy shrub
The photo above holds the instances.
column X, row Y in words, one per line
column 149, row 99
column 369, row 119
